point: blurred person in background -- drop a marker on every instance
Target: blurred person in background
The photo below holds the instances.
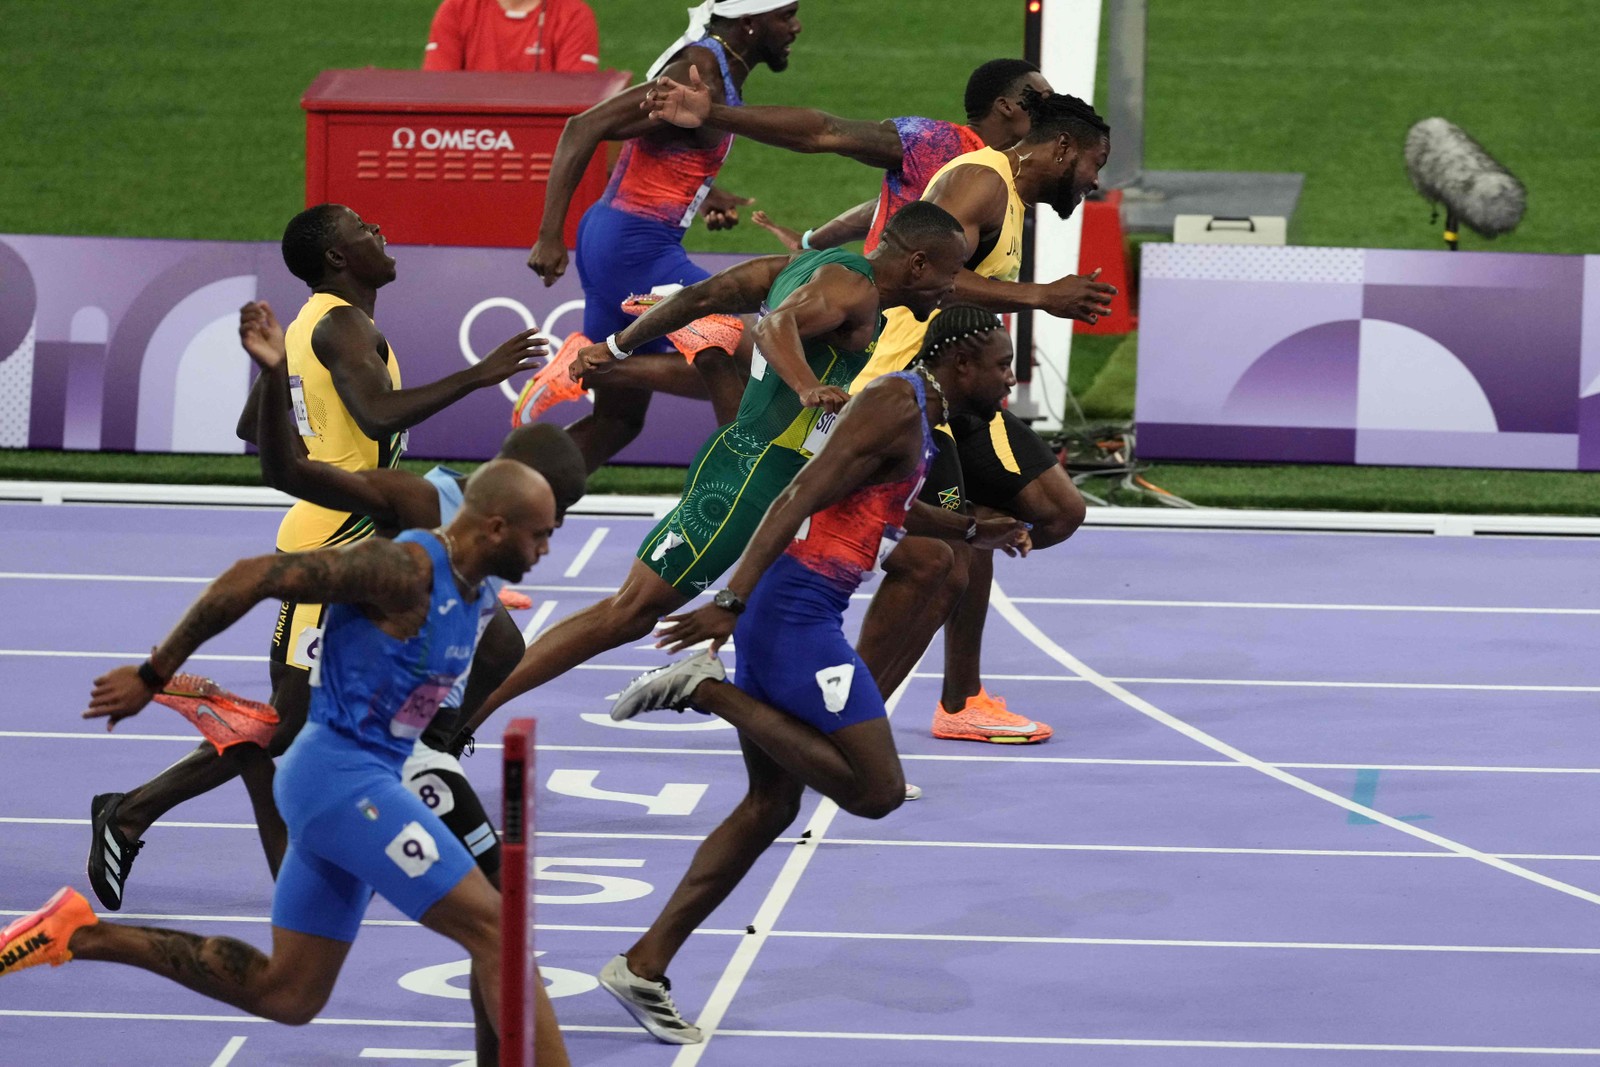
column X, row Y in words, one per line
column 547, row 36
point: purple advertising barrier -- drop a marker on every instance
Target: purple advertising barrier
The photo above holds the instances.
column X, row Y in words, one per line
column 132, row 344
column 1348, row 355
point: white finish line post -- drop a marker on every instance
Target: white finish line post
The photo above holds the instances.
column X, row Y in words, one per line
column 1068, row 36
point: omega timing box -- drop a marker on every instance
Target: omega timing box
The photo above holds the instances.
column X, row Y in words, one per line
column 448, row 157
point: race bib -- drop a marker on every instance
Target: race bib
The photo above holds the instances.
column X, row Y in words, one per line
column 434, row 792
column 307, row 653
column 892, row 535
column 297, row 399
column 819, row 433
column 835, row 685
column 413, row 850
column 420, row 708
column 758, row 363
column 694, row 205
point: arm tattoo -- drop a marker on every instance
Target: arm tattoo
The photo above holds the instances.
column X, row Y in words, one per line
column 376, row 572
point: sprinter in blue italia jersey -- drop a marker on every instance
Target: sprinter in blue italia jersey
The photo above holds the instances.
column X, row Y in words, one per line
column 401, row 628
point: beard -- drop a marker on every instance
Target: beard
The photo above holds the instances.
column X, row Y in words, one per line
column 1065, row 198
column 509, row 568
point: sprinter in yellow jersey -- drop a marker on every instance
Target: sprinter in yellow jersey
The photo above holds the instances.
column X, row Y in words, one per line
column 1004, row 465
column 351, row 413
column 916, row 152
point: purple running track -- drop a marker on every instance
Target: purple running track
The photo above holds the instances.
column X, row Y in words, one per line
column 1123, row 896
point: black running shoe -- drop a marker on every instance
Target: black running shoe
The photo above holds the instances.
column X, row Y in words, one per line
column 110, row 853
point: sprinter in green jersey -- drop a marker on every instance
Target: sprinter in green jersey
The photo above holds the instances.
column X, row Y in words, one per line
column 821, row 314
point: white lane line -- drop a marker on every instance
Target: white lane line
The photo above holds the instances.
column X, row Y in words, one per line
column 1318, row 684
column 926, row 757
column 575, row 568
column 1269, row 605
column 1462, row 768
column 1010, row 939
column 783, row 887
column 1120, row 1042
column 18, row 820
column 404, row 1023
column 229, row 1051
column 973, row 1039
column 179, row 579
column 56, row 577
column 1016, row 846
column 581, row 560
column 541, row 615
column 1025, row 626
column 1202, row 850
column 1150, row 942
column 167, row 917
column 123, row 655
column 632, row 668
column 1248, row 682
column 1268, row 683
column 576, row 835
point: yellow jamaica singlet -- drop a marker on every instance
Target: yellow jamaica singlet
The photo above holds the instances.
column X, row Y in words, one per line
column 902, row 336
column 330, row 434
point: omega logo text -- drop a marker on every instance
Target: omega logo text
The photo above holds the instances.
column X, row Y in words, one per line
column 484, row 140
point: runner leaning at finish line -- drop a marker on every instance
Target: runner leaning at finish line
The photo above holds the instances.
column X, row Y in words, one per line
column 1004, row 465
column 806, row 710
column 352, row 413
column 823, row 314
column 397, row 500
column 401, row 628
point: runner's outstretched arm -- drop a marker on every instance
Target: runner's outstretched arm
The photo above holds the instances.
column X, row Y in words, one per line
column 380, row 573
column 852, row 224
column 617, row 119
column 799, row 129
column 738, row 290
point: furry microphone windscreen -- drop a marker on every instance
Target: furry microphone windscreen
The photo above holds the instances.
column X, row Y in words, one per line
column 1449, row 167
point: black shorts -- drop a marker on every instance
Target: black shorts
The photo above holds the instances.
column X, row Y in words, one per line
column 943, row 487
column 999, row 458
column 296, row 633
column 438, row 780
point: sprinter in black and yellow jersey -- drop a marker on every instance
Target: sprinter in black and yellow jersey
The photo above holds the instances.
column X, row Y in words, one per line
column 351, row 412
column 1004, row 464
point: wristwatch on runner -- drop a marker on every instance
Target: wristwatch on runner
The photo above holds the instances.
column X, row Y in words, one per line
column 728, row 600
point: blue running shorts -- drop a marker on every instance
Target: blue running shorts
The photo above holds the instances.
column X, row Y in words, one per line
column 354, row 829
column 792, row 653
column 620, row 255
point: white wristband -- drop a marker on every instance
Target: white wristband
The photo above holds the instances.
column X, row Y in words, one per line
column 805, row 239
column 611, row 343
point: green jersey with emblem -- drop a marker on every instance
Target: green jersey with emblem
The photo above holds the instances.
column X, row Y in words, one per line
column 769, row 409
column 743, row 467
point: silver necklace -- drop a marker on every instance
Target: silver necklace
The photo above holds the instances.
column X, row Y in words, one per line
column 450, row 556
column 944, row 405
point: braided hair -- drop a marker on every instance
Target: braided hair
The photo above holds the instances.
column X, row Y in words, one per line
column 951, row 327
column 1056, row 113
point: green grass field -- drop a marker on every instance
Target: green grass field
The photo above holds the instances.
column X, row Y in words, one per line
column 181, row 119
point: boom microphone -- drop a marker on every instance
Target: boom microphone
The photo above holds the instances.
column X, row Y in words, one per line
column 1448, row 167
